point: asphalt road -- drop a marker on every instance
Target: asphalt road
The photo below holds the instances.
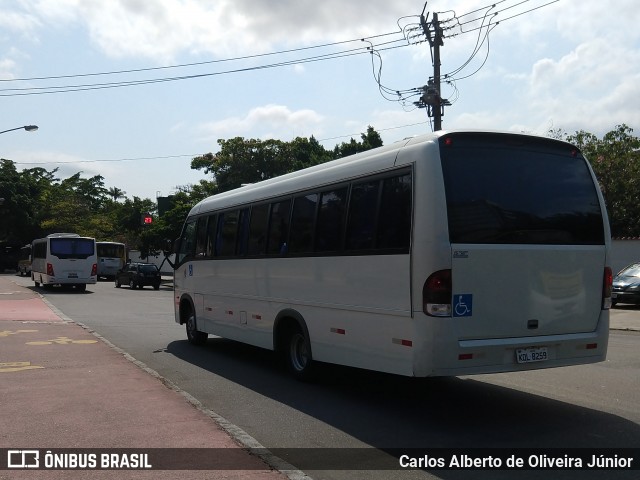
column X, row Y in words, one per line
column 594, row 406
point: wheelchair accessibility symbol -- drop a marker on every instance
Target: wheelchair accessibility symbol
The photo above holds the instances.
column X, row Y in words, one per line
column 463, row 305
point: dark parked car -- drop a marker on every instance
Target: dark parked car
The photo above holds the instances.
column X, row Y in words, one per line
column 626, row 285
column 138, row 275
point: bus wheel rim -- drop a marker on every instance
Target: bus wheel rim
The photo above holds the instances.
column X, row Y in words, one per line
column 299, row 352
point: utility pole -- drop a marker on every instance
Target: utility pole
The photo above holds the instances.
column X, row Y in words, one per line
column 431, row 97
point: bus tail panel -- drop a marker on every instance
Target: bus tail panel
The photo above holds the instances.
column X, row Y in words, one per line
column 504, row 291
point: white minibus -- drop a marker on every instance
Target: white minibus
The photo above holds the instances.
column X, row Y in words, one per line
column 112, row 257
column 451, row 253
column 65, row 259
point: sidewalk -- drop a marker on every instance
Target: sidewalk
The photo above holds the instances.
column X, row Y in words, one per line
column 63, row 387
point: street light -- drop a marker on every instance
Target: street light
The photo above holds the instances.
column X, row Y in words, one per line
column 28, row 128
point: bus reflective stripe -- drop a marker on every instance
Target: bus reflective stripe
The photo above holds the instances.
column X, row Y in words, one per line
column 339, row 331
column 404, row 343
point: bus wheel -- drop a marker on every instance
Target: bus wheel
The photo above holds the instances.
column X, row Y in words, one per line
column 132, row 284
column 195, row 336
column 82, row 287
column 298, row 355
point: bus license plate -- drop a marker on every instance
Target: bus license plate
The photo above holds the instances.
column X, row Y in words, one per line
column 533, row 354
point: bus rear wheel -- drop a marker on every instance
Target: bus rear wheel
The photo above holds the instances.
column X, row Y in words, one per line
column 298, row 355
column 195, row 336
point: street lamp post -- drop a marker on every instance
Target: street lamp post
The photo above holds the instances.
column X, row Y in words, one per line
column 28, row 128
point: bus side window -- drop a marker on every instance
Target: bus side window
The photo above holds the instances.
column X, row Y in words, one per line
column 211, row 235
column 258, row 229
column 363, row 209
column 201, row 237
column 303, row 223
column 279, row 227
column 394, row 224
column 187, row 242
column 243, row 232
column 330, row 224
column 227, row 234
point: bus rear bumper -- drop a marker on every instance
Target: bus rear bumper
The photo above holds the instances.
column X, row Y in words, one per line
column 527, row 353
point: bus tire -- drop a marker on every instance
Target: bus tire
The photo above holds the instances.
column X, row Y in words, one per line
column 195, row 336
column 132, row 285
column 81, row 287
column 297, row 354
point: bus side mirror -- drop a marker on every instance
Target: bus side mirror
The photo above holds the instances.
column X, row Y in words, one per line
column 167, row 246
column 175, row 246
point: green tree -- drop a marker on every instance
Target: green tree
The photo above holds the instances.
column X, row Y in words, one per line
column 616, row 161
column 25, row 204
column 116, row 194
column 370, row 139
column 241, row 160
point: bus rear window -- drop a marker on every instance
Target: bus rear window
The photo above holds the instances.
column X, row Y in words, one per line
column 502, row 189
column 72, row 247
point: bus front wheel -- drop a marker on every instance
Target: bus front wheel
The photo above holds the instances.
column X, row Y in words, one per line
column 195, row 336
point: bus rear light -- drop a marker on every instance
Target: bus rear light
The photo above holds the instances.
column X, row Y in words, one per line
column 592, row 346
column 465, row 356
column 607, row 287
column 436, row 294
column 50, row 270
column 94, row 270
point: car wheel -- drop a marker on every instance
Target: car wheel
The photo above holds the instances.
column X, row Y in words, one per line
column 156, row 287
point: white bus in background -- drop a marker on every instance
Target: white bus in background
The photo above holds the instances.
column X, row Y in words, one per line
column 24, row 263
column 112, row 256
column 65, row 259
column 451, row 253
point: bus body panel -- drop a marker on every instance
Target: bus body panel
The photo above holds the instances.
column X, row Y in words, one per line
column 503, row 291
column 351, row 311
column 518, row 298
column 443, row 354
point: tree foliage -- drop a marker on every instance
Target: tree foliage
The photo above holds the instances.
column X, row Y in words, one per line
column 615, row 159
column 35, row 202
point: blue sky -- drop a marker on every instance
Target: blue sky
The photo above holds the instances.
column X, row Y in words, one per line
column 567, row 64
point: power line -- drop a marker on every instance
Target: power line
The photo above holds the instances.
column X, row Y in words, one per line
column 206, row 62
column 25, row 91
column 436, row 30
column 192, row 155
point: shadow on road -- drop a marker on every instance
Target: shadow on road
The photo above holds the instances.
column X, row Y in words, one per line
column 391, row 411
